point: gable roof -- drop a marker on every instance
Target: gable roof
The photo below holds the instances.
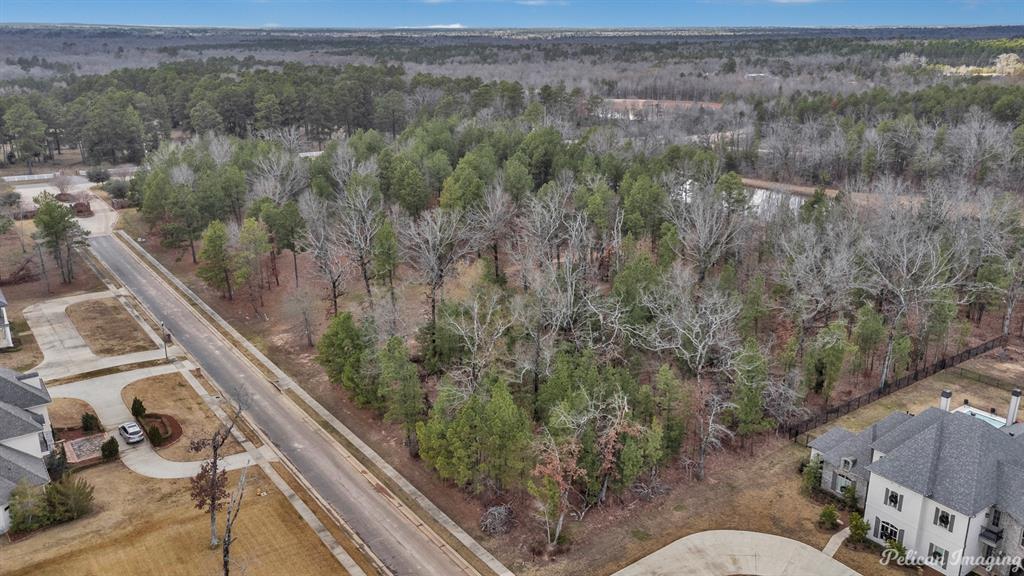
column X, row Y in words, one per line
column 949, row 457
column 15, row 421
column 830, row 439
column 16, row 466
column 858, row 446
column 907, row 429
column 14, row 389
column 3, row 299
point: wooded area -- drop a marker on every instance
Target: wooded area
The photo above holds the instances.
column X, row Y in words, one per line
column 638, row 308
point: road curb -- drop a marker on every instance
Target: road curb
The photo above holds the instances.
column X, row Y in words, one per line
column 416, row 499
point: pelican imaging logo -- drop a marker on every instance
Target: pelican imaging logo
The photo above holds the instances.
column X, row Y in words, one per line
column 939, row 561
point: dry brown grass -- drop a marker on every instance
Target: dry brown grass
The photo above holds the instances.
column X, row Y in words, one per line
column 760, row 494
column 962, row 381
column 146, row 526
column 340, row 534
column 171, row 394
column 27, row 355
column 108, row 328
column 67, row 412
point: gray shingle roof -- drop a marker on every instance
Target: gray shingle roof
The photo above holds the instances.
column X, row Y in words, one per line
column 14, row 390
column 858, row 446
column 907, row 430
column 16, row 466
column 15, row 421
column 949, row 457
column 830, row 439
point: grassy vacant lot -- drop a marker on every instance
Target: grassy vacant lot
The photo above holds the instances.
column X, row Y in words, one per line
column 171, row 394
column 146, row 526
column 108, row 328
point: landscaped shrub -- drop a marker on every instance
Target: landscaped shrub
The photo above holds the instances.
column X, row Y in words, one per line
column 858, row 528
column 33, row 507
column 138, row 408
column 68, row 499
column 56, row 462
column 110, row 449
column 154, row 435
column 90, row 422
column 97, row 174
column 828, row 518
column 898, row 549
column 850, row 497
column 117, row 188
column 811, row 476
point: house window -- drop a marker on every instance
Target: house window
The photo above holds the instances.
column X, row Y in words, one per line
column 996, row 517
column 887, row 531
column 893, row 499
column 938, row 555
column 848, row 463
column 944, row 519
column 1022, row 538
column 842, row 482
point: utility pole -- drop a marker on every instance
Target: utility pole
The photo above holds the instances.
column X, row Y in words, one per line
column 165, row 335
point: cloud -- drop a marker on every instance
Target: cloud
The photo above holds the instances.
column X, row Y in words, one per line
column 455, row 26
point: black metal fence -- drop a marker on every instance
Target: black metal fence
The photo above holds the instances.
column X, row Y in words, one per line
column 795, row 430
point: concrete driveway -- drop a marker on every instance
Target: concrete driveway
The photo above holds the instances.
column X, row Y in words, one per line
column 104, row 395
column 729, row 552
column 65, row 353
column 101, row 222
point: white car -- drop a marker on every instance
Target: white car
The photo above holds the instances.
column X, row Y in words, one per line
column 131, row 432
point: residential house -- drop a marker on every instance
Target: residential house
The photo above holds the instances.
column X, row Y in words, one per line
column 6, row 338
column 26, row 438
column 947, row 484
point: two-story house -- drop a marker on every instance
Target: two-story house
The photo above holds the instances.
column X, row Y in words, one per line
column 26, row 438
column 6, row 338
column 947, row 484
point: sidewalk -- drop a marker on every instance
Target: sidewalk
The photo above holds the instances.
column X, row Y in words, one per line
column 65, row 352
column 103, row 394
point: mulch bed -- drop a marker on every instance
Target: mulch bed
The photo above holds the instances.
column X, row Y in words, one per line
column 168, row 426
column 72, row 433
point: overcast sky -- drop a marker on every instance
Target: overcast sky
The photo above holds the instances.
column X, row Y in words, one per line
column 514, row 13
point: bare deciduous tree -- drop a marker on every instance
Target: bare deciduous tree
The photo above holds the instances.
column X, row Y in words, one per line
column 234, row 508
column 710, row 430
column 359, row 215
column 696, row 329
column 706, row 228
column 910, row 260
column 480, row 327
column 320, row 240
column 818, row 265
column 492, row 221
column 209, row 485
column 432, row 245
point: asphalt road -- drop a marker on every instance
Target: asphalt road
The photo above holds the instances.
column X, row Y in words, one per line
column 392, row 536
